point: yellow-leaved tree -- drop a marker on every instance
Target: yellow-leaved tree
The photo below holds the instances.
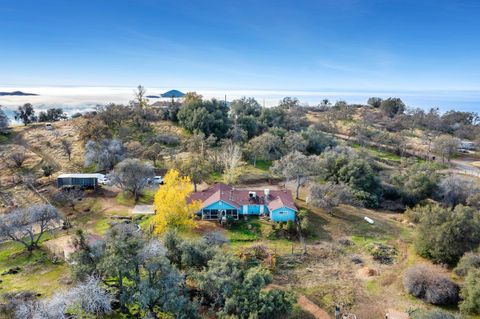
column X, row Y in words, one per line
column 171, row 207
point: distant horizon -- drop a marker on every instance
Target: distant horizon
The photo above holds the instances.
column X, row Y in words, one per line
column 84, row 98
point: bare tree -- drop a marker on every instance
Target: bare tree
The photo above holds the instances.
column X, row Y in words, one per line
column 230, row 156
column 139, row 97
column 446, row 146
column 330, row 195
column 456, row 190
column 104, row 154
column 196, row 167
column 296, row 166
column 67, row 148
column 18, row 158
column 154, row 153
column 266, row 146
column 132, row 175
column 27, row 225
column 90, row 298
column 86, row 299
column 68, row 197
column 51, row 308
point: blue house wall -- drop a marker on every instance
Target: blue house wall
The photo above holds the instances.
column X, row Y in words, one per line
column 220, row 205
column 282, row 214
column 254, row 209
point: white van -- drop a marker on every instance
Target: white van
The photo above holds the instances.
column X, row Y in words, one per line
column 48, row 126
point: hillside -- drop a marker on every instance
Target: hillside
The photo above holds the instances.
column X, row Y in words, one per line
column 331, row 257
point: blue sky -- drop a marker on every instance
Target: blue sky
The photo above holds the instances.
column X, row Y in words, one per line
column 308, row 45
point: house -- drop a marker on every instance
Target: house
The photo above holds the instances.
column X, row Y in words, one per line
column 79, row 180
column 222, row 200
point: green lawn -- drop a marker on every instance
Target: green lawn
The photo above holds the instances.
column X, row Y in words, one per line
column 263, row 165
column 215, row 177
column 244, row 231
column 37, row 271
column 381, row 154
column 126, row 199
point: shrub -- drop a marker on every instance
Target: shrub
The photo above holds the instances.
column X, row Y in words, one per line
column 444, row 235
column 382, row 253
column 47, row 170
column 258, row 255
column 167, row 139
column 471, row 293
column 435, row 314
column 305, row 226
column 416, row 183
column 424, row 283
column 196, row 254
column 467, row 262
column 291, row 228
column 356, row 259
column 215, row 239
column 17, row 158
column 10, row 302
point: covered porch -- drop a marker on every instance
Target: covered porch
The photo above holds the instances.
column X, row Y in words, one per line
column 217, row 214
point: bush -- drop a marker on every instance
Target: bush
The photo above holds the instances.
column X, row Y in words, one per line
column 215, row 239
column 435, row 314
column 417, row 182
column 467, row 262
column 424, row 283
column 196, row 254
column 258, row 255
column 167, row 139
column 47, row 170
column 305, row 226
column 356, row 259
column 471, row 293
column 444, row 235
column 10, row 302
column 382, row 253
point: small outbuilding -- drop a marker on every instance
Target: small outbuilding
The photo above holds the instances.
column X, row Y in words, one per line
column 79, row 180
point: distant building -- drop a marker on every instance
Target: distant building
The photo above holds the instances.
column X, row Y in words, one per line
column 79, row 180
column 222, row 200
column 173, row 94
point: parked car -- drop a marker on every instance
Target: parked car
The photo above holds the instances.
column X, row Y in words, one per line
column 104, row 181
column 48, row 126
column 158, row 180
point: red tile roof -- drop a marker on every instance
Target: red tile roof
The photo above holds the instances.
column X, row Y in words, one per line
column 240, row 197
